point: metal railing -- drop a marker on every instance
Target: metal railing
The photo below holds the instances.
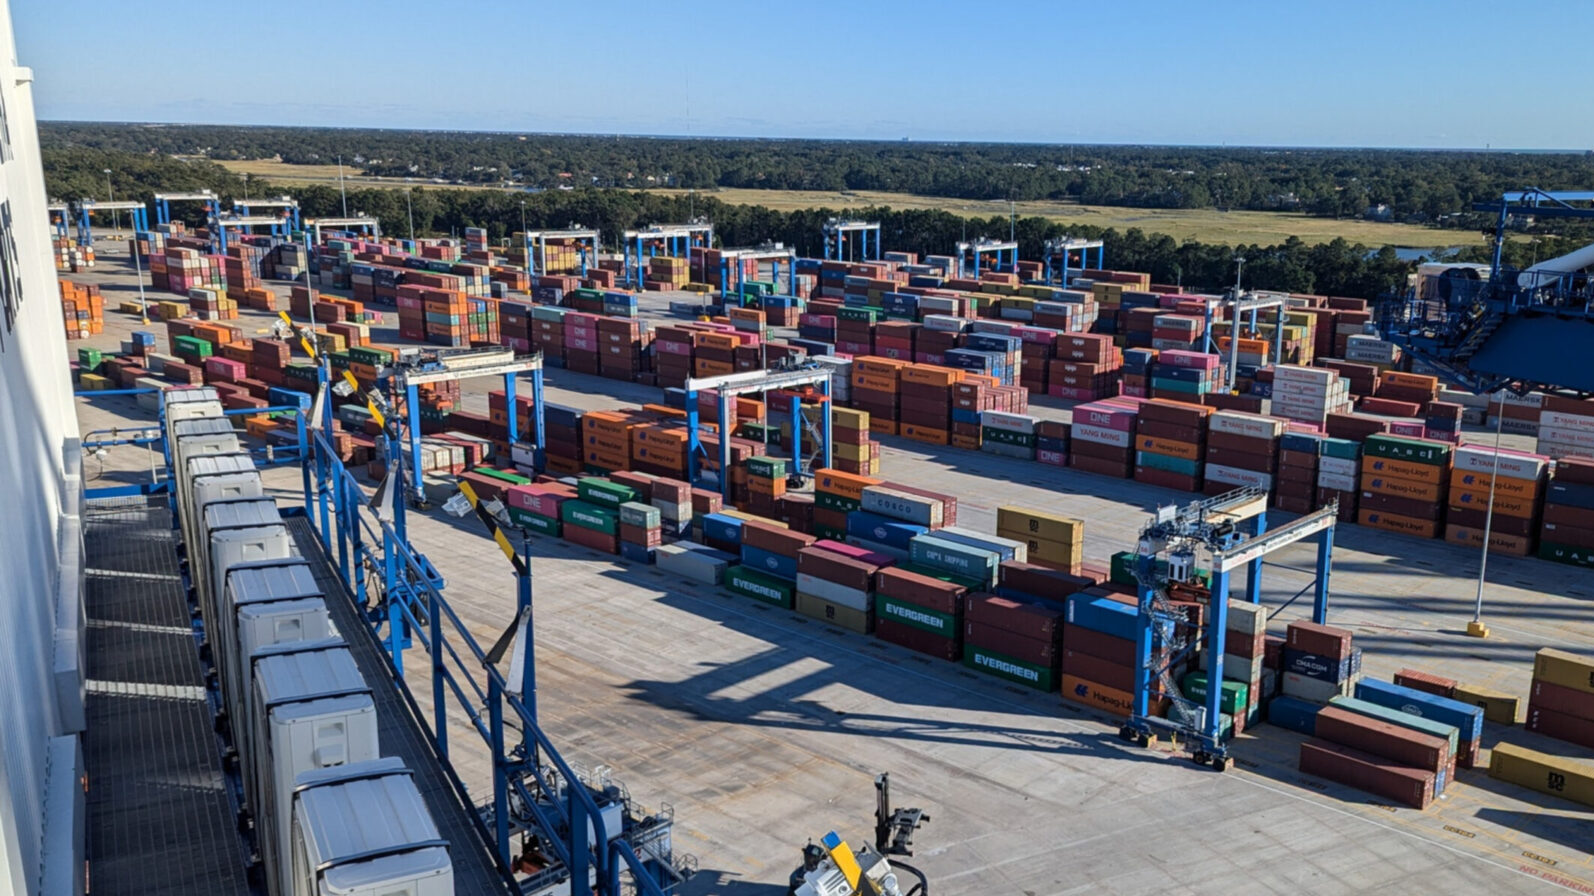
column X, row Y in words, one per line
column 368, row 554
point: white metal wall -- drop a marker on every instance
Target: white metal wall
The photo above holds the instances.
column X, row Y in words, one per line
column 37, row 420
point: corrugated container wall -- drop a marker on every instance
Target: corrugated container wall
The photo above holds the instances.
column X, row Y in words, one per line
column 38, row 430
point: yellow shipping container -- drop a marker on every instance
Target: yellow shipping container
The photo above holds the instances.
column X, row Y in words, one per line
column 1569, row 670
column 1039, row 524
column 1500, row 708
column 1041, row 550
column 1555, row 775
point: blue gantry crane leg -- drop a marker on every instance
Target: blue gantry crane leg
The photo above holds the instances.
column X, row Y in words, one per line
column 730, row 386
column 839, row 233
column 1170, row 547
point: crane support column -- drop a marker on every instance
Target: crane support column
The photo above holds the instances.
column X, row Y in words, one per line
column 725, row 444
column 1325, row 555
column 1217, row 630
column 1253, row 570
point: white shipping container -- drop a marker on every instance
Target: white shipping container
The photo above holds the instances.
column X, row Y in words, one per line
column 363, row 809
column 1341, row 483
column 1008, row 422
column 1118, row 438
column 1242, row 424
column 1247, row 617
column 1294, row 373
column 1298, row 685
column 1564, row 434
column 1476, row 459
column 840, row 595
column 1237, row 476
column 1573, row 422
column 944, row 323
column 1530, row 400
column 313, row 710
column 902, row 505
column 693, row 562
column 1337, row 466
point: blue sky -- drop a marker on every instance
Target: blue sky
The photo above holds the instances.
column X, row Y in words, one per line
column 1460, row 73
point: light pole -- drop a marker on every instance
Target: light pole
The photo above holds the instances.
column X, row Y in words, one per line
column 410, row 208
column 522, row 219
column 1476, row 628
column 138, row 269
column 116, row 220
column 341, row 192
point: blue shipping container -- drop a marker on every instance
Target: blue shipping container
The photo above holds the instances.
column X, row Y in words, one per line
column 770, row 563
column 875, row 527
column 1467, row 718
column 1294, row 714
column 1103, row 615
column 722, row 528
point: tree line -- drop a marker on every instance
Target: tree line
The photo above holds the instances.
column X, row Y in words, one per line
column 1412, row 185
column 1335, row 268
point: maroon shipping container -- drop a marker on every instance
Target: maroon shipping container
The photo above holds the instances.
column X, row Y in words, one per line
column 918, row 640
column 920, row 590
column 1040, row 581
column 1024, row 620
column 1423, row 681
column 1031, row 650
column 650, row 537
column 1245, row 644
column 1403, row 745
column 642, row 482
column 1560, row 726
column 1323, row 640
column 833, row 567
column 1104, row 672
column 591, row 538
column 1272, row 652
column 1562, row 699
column 1406, row 786
column 1092, row 643
column 774, row 539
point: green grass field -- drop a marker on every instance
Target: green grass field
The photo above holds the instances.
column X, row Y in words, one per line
column 1202, row 225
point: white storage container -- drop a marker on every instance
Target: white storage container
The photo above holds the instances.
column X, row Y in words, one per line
column 213, row 478
column 239, row 531
column 312, row 710
column 343, row 817
column 270, row 602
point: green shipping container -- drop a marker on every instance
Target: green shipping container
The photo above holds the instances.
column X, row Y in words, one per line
column 924, row 619
column 990, row 662
column 536, row 522
column 1344, row 449
column 1565, row 553
column 635, row 513
column 954, row 558
column 1007, row 437
column 836, row 502
column 193, row 345
column 766, row 467
column 503, row 475
column 1409, row 450
column 757, row 585
column 89, row 359
column 590, row 516
column 830, row 532
column 943, row 575
column 604, row 493
column 1168, row 464
column 1232, row 698
column 869, row 314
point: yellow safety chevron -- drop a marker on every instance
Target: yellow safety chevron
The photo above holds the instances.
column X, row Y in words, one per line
column 492, row 527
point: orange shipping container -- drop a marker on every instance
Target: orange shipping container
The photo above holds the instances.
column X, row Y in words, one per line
column 1408, row 380
column 887, row 385
column 1505, row 485
column 1169, row 448
column 1505, row 505
column 930, row 375
column 925, row 434
column 1399, row 469
column 1499, row 543
column 1402, row 488
column 846, row 485
column 1405, row 525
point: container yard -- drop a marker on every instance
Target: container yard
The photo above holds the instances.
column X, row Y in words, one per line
column 953, row 599
column 656, row 559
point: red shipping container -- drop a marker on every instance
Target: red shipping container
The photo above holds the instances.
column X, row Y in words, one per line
column 1562, row 699
column 1406, row 786
column 1024, row 620
column 1423, row 681
column 1030, row 650
column 774, row 539
column 1322, row 640
column 1403, row 745
column 1560, row 726
column 834, row 567
column 1092, row 643
column 919, row 590
column 1093, row 668
column 1041, row 581
column 919, row 640
column 591, row 538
